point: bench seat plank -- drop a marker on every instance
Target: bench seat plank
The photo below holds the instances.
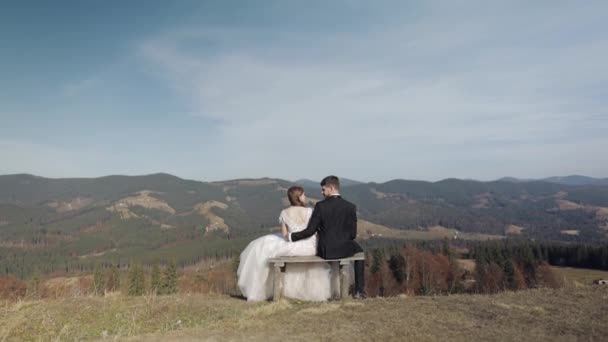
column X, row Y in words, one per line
column 313, row 258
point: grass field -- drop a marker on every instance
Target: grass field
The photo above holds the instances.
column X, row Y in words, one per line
column 568, row 314
column 580, row 276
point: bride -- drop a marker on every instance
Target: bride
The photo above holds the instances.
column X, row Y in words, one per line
column 301, row 281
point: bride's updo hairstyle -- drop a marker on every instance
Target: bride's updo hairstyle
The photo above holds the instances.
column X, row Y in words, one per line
column 293, row 194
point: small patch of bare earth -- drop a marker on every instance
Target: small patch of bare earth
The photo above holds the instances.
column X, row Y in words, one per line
column 379, row 195
column 96, row 254
column 75, row 204
column 215, row 222
column 512, row 229
column 482, row 200
column 142, row 199
column 466, row 264
column 23, row 244
column 568, row 205
column 602, row 214
column 570, row 232
column 560, row 194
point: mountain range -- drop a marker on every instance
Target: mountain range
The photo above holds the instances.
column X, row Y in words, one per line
column 566, row 180
column 46, row 224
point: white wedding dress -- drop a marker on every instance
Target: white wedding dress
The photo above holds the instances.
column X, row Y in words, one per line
column 302, row 281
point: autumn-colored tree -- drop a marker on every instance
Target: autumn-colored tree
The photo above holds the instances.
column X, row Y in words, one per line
column 546, row 277
column 12, row 288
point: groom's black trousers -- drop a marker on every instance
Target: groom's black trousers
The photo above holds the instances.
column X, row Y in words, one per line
column 360, row 276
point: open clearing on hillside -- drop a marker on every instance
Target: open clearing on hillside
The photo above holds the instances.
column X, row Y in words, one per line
column 366, row 230
column 580, row 276
column 573, row 313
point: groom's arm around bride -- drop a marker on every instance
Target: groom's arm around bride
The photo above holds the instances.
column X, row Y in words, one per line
column 335, row 221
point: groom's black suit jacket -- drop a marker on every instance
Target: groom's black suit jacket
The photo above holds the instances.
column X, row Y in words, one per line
column 335, row 219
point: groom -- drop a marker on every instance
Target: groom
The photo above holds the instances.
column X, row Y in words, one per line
column 335, row 219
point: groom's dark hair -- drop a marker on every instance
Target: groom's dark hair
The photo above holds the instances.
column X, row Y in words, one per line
column 331, row 180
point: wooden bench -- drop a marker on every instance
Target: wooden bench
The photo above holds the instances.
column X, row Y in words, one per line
column 279, row 263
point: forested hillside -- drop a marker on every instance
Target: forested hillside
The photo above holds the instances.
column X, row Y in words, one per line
column 49, row 225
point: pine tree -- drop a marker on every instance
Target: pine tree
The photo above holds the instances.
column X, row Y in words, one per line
column 136, row 281
column 169, row 285
column 604, row 258
column 33, row 288
column 446, row 250
column 509, row 271
column 155, row 279
column 113, row 279
column 377, row 260
column 98, row 281
column 397, row 266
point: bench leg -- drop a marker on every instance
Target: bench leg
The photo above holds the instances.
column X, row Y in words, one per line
column 335, row 279
column 344, row 281
column 278, row 281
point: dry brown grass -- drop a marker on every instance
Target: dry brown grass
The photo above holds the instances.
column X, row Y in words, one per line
column 579, row 276
column 543, row 314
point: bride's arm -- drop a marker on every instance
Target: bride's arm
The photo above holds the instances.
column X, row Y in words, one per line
column 284, row 230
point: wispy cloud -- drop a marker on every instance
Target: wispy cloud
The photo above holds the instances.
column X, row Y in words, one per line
column 75, row 88
column 460, row 83
column 392, row 89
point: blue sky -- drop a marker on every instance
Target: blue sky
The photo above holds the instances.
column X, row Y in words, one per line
column 213, row 90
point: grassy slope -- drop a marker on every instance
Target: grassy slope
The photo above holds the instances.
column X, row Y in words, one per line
column 580, row 276
column 562, row 315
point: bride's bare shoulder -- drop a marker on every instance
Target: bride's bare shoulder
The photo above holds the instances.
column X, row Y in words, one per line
column 296, row 209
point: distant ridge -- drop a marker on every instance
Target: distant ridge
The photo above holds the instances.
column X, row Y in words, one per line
column 565, row 180
column 344, row 182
